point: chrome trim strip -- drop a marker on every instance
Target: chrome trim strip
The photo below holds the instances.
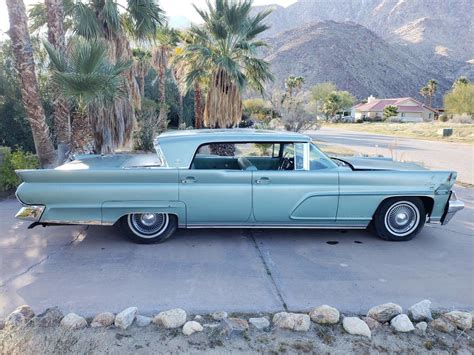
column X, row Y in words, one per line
column 30, row 212
column 272, row 226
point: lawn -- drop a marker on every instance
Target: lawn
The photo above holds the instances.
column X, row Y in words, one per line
column 462, row 133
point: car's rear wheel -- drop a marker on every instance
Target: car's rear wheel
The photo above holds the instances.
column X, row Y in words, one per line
column 399, row 219
column 148, row 228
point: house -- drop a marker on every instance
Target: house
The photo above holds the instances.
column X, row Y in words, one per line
column 409, row 110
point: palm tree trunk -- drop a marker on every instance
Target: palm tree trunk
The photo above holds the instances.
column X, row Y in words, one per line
column 142, row 82
column 198, row 111
column 23, row 53
column 162, row 83
column 56, row 36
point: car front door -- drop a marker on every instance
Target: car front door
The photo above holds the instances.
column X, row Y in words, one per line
column 296, row 194
column 215, row 190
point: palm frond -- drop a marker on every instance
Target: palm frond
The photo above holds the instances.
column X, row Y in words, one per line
column 85, row 21
column 146, row 16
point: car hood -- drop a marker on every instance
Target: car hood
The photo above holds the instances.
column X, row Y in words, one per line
column 361, row 163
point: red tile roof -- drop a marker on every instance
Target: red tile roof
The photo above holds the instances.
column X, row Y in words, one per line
column 380, row 104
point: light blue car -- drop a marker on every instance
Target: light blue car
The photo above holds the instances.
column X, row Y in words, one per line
column 238, row 178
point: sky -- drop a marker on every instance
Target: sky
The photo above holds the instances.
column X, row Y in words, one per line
column 172, row 8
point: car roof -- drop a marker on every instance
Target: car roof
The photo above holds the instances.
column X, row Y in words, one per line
column 179, row 146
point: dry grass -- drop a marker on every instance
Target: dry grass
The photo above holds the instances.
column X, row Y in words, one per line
column 335, row 150
column 462, row 133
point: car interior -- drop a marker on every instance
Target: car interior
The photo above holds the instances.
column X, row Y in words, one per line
column 245, row 156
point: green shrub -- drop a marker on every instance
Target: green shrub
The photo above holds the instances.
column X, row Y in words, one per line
column 444, row 118
column 12, row 162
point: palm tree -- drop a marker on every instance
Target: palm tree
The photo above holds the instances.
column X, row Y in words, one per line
column 425, row 92
column 56, row 36
column 293, row 83
column 432, row 87
column 22, row 51
column 114, row 22
column 168, row 38
column 462, row 80
column 93, row 85
column 142, row 59
column 224, row 52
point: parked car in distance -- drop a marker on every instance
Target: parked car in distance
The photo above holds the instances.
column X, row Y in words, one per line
column 238, row 178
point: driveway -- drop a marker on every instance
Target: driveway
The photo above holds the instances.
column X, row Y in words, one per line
column 88, row 270
column 432, row 154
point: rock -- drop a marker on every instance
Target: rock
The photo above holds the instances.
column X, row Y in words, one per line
column 173, row 318
column 2, row 324
column 442, row 325
column 384, row 312
column 420, row 311
column 371, row 322
column 293, row 321
column 219, row 315
column 51, row 317
column 324, row 315
column 199, row 318
column 73, row 322
column 20, row 316
column 105, row 319
column 462, row 320
column 356, row 326
column 402, row 324
column 233, row 326
column 422, row 326
column 260, row 323
column 192, row 327
column 302, row 322
column 124, row 319
column 142, row 321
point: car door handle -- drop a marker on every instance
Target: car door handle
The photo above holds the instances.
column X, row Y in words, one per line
column 189, row 180
column 263, row 180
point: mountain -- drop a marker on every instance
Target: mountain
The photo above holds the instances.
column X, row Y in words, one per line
column 351, row 56
column 435, row 26
column 381, row 47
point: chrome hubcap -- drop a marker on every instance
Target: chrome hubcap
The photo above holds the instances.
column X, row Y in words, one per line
column 402, row 218
column 148, row 225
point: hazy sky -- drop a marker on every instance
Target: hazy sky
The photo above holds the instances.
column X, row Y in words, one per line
column 172, row 8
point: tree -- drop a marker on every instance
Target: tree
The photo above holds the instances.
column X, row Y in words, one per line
column 168, row 38
column 56, row 36
column 293, row 112
column 293, row 83
column 142, row 63
column 25, row 66
column 462, row 80
column 318, row 95
column 460, row 99
column 425, row 92
column 432, row 87
column 114, row 22
column 390, row 111
column 223, row 52
column 332, row 105
column 92, row 84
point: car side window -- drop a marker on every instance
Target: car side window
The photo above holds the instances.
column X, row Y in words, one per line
column 238, row 156
column 317, row 160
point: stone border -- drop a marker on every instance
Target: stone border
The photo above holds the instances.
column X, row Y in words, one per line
column 417, row 319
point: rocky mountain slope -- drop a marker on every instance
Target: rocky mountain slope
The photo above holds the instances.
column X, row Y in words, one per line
column 380, row 47
column 352, row 57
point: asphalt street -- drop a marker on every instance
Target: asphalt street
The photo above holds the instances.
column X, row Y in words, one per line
column 93, row 269
column 431, row 154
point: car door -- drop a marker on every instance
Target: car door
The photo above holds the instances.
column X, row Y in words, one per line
column 218, row 193
column 296, row 196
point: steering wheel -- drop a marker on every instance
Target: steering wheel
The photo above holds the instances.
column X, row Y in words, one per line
column 286, row 164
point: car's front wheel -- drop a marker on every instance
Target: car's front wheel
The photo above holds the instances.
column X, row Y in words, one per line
column 148, row 228
column 399, row 219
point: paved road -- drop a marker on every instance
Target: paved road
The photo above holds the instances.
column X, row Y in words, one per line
column 433, row 154
column 87, row 270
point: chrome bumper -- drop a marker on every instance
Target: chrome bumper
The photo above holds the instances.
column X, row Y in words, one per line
column 454, row 205
column 30, row 213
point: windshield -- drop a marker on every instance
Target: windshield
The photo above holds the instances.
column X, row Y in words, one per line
column 318, row 160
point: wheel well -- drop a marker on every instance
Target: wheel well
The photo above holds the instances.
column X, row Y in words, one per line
column 428, row 202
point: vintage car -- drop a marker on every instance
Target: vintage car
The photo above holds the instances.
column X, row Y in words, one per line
column 238, row 178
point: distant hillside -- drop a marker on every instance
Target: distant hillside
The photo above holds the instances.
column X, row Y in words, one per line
column 444, row 27
column 352, row 57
